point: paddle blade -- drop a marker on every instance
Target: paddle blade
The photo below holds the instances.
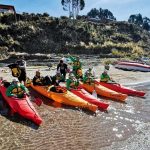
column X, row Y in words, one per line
column 38, row 101
column 94, row 94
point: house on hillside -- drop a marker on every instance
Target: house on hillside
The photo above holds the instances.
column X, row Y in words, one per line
column 7, row 9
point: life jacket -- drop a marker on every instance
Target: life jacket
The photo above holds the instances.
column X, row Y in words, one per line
column 88, row 81
column 28, row 82
column 16, row 71
column 58, row 77
column 17, row 91
column 39, row 80
column 77, row 63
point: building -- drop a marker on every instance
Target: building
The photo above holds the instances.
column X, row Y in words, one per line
column 7, row 8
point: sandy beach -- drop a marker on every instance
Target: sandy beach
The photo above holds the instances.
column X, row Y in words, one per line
column 125, row 126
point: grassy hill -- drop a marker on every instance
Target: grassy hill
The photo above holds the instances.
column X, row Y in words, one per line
column 39, row 33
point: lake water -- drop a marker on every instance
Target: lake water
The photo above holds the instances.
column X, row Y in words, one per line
column 125, row 126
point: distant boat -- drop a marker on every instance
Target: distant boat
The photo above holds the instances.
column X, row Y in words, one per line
column 132, row 66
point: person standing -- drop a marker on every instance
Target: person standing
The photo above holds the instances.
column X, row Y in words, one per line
column 63, row 68
column 22, row 65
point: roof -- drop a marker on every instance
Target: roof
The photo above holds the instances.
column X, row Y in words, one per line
column 7, row 7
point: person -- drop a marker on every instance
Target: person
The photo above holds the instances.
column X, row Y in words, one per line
column 40, row 80
column 63, row 68
column 72, row 82
column 16, row 89
column 56, row 79
column 22, row 65
column 105, row 77
column 89, row 71
column 77, row 66
column 88, row 77
column 107, row 67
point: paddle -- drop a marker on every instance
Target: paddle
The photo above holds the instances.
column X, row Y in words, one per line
column 38, row 101
column 94, row 92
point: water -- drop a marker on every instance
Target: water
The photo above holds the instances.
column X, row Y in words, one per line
column 124, row 126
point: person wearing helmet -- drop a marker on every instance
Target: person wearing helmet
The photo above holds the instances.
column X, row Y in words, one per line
column 56, row 79
column 88, row 77
column 105, row 77
column 106, row 67
column 89, row 71
column 16, row 89
column 72, row 82
column 63, row 68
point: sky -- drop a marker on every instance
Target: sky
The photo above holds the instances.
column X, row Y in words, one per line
column 121, row 9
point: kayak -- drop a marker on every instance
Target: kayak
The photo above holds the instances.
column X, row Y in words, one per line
column 67, row 98
column 22, row 106
column 103, row 91
column 133, row 66
column 89, row 98
column 122, row 89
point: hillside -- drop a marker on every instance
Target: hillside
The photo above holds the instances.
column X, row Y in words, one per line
column 43, row 34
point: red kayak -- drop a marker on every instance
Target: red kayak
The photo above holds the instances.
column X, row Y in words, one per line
column 89, row 98
column 122, row 89
column 21, row 106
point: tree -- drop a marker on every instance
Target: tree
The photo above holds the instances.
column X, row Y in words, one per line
column 138, row 20
column 102, row 14
column 73, row 6
column 66, row 5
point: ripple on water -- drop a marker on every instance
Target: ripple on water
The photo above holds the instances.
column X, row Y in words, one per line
column 68, row 128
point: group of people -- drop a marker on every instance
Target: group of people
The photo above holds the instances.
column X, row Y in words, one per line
column 17, row 87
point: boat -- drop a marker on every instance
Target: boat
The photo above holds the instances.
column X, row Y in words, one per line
column 132, row 66
column 22, row 106
column 66, row 97
column 103, row 91
column 122, row 89
column 89, row 98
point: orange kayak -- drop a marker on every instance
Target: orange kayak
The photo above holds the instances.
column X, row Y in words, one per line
column 103, row 91
column 67, row 98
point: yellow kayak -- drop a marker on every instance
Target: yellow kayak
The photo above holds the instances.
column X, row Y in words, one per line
column 103, row 91
column 66, row 97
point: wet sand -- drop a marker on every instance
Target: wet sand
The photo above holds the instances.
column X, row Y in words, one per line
column 125, row 126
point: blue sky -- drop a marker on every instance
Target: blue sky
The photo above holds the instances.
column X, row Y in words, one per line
column 121, row 9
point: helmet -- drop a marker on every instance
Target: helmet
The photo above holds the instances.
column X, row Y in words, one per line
column 105, row 71
column 15, row 80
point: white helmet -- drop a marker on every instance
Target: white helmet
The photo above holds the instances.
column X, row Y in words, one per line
column 15, row 80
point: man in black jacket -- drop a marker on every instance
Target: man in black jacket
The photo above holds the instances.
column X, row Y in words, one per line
column 63, row 68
